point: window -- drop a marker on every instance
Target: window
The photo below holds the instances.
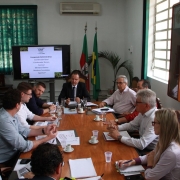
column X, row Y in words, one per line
column 18, row 26
column 159, row 38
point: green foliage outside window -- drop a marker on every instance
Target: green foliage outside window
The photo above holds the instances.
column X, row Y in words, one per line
column 18, row 26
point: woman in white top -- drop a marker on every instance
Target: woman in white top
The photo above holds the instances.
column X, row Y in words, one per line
column 164, row 161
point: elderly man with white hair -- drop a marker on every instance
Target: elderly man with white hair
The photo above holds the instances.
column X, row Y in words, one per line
column 146, row 106
column 123, row 99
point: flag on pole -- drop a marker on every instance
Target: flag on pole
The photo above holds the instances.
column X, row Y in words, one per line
column 84, row 62
column 95, row 77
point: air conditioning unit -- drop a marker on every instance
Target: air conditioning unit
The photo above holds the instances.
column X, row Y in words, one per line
column 80, row 8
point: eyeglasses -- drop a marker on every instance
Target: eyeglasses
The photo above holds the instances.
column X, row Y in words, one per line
column 153, row 123
column 28, row 94
column 120, row 82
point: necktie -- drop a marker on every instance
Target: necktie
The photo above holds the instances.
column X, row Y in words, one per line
column 73, row 92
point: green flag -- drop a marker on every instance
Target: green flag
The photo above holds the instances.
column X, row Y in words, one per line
column 95, row 78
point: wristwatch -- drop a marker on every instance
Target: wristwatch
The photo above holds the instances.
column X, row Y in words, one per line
column 119, row 138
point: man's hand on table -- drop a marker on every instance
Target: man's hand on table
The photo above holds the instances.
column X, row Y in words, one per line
column 102, row 104
column 114, row 133
column 51, row 118
column 51, row 131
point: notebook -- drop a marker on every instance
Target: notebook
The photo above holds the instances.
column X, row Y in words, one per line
column 81, row 168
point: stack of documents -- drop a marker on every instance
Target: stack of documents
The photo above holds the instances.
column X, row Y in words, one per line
column 68, row 136
column 81, row 168
column 70, row 111
column 101, row 110
column 132, row 170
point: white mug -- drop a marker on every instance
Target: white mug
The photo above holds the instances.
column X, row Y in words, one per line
column 81, row 110
column 97, row 117
column 93, row 139
column 68, row 147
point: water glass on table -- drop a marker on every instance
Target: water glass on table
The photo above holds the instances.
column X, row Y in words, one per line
column 103, row 116
column 85, row 102
column 95, row 133
column 108, row 156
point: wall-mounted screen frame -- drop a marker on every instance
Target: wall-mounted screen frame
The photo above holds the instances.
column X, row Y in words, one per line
column 41, row 61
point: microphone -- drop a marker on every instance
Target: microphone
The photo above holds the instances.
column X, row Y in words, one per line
column 82, row 103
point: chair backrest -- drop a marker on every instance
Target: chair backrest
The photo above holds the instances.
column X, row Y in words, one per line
column 82, row 78
column 159, row 104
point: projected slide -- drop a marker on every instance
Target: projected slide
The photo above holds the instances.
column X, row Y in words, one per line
column 41, row 62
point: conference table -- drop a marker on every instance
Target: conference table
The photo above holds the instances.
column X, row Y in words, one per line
column 83, row 124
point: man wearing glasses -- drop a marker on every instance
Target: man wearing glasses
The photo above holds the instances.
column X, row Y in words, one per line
column 24, row 113
column 123, row 99
column 146, row 106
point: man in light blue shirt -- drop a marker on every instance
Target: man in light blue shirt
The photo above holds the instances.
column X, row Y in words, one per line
column 13, row 134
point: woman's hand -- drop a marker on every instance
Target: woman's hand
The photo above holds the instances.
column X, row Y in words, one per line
column 125, row 163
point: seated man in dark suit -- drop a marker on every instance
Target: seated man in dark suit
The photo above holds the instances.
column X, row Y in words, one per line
column 46, row 163
column 74, row 90
column 36, row 104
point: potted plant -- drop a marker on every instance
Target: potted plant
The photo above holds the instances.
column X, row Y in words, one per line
column 114, row 59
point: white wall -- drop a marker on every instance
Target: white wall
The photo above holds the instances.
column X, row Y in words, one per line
column 54, row 28
column 133, row 33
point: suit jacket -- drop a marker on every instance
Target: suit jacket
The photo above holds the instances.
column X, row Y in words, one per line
column 81, row 91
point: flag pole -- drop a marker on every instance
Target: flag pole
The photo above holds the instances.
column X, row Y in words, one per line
column 96, row 27
column 85, row 28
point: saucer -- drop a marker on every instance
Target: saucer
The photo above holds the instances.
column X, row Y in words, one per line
column 116, row 120
column 97, row 120
column 81, row 112
column 72, row 149
column 92, row 142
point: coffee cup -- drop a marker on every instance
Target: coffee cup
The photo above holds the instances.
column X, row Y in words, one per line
column 93, row 139
column 97, row 117
column 81, row 110
column 79, row 106
column 68, row 147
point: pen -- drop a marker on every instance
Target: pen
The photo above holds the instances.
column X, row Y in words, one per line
column 127, row 161
column 28, row 170
column 102, row 175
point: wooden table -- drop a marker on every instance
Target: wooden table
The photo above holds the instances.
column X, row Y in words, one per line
column 84, row 124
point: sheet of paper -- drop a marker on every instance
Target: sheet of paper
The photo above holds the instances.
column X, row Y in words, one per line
column 81, row 168
column 73, row 141
column 64, row 135
column 70, row 111
column 91, row 104
column 52, row 141
column 99, row 110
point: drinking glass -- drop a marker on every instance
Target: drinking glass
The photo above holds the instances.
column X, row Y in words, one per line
column 85, row 102
column 108, row 156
